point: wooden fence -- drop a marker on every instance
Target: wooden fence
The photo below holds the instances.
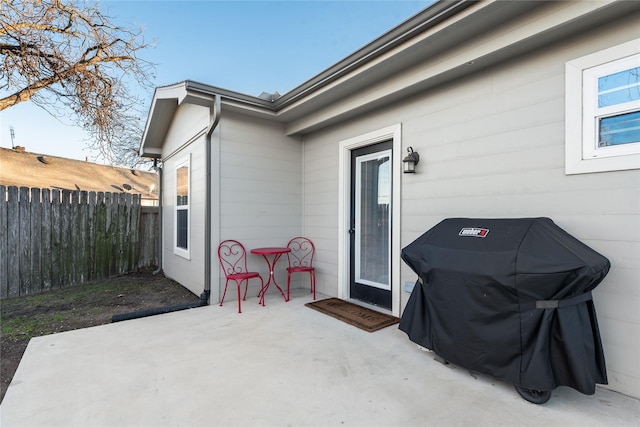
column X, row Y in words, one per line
column 55, row 238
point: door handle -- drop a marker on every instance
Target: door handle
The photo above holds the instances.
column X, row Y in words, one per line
column 352, row 230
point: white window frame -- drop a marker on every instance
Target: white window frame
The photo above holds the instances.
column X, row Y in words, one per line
column 582, row 154
column 185, row 253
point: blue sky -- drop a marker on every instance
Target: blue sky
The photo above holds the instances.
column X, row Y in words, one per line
column 246, row 46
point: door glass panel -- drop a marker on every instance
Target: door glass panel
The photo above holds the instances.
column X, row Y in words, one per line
column 373, row 230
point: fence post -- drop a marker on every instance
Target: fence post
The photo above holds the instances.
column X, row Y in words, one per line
column 82, row 254
column 122, row 230
column 4, row 249
column 65, row 237
column 25, row 241
column 75, row 239
column 127, row 232
column 91, row 238
column 136, row 233
column 109, row 234
column 133, row 234
column 57, row 269
column 101, row 229
column 13, row 239
column 36, row 241
column 46, row 253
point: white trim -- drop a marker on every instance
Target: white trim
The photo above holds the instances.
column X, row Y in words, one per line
column 190, row 141
column 591, row 111
column 185, row 253
column 580, row 134
column 344, row 203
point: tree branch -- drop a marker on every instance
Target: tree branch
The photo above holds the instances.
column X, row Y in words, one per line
column 63, row 56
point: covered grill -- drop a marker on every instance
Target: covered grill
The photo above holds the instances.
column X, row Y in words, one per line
column 510, row 298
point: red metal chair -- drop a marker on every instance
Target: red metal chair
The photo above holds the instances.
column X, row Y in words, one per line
column 301, row 261
column 233, row 259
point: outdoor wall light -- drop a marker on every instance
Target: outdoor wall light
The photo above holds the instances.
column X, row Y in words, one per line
column 409, row 163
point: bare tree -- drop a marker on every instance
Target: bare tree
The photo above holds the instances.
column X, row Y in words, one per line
column 63, row 55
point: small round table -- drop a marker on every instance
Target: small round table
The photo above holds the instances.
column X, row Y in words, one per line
column 276, row 252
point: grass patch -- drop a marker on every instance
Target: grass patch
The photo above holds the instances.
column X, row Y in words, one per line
column 76, row 307
column 22, row 327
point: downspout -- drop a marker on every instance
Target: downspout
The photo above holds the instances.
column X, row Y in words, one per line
column 158, row 170
column 166, row 309
column 214, row 119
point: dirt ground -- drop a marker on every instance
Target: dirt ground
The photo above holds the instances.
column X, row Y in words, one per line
column 78, row 307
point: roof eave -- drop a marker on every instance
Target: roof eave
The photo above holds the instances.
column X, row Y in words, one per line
column 427, row 18
column 448, row 22
column 167, row 99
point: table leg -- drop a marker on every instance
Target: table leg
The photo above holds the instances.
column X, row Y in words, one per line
column 271, row 265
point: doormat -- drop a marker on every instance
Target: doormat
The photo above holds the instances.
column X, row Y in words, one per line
column 361, row 317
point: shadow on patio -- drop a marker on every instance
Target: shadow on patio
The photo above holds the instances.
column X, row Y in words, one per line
column 283, row 364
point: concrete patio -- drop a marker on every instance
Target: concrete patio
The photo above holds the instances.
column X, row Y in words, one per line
column 279, row 365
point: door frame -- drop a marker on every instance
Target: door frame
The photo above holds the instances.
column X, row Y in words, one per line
column 392, row 133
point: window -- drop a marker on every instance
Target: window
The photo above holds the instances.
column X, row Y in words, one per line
column 182, row 219
column 603, row 110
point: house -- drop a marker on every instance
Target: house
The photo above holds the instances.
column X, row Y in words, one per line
column 24, row 169
column 496, row 97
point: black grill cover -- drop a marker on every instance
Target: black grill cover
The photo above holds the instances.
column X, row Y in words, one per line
column 510, row 298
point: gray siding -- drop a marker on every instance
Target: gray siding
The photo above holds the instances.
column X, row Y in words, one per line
column 492, row 145
column 185, row 139
column 256, row 192
column 260, row 172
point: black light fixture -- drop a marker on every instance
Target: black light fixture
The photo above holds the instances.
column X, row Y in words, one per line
column 409, row 163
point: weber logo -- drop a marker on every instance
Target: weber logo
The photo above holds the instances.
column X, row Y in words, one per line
column 473, row 232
